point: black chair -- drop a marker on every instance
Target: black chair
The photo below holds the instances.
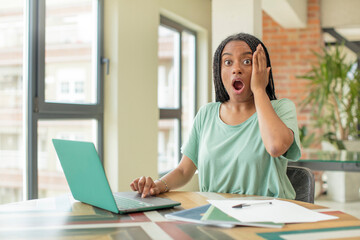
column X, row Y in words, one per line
column 302, row 180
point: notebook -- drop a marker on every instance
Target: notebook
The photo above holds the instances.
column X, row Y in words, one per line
column 88, row 183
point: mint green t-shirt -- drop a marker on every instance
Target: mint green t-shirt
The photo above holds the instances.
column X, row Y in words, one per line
column 233, row 159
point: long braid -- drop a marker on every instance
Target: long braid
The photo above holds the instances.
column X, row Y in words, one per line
column 221, row 94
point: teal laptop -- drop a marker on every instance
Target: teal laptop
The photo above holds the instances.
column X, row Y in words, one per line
column 88, row 183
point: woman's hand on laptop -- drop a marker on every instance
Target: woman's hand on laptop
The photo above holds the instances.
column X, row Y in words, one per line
column 145, row 186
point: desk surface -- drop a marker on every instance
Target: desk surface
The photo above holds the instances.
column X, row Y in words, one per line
column 64, row 218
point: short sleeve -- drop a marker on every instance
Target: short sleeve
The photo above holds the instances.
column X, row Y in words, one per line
column 191, row 147
column 286, row 111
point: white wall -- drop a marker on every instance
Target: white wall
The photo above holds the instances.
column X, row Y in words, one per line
column 235, row 16
column 287, row 13
column 131, row 113
column 335, row 13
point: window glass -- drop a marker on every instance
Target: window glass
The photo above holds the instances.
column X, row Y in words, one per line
column 12, row 152
column 188, row 83
column 51, row 178
column 71, row 63
column 71, row 51
column 168, row 142
column 168, row 68
column 176, row 90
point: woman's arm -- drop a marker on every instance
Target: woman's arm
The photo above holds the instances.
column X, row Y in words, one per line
column 277, row 137
column 174, row 179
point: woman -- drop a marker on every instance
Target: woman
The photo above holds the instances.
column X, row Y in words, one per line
column 242, row 142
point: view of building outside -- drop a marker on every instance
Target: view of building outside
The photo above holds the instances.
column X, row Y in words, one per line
column 51, row 178
column 70, row 60
column 169, row 80
column 70, row 50
column 12, row 152
column 168, row 97
column 70, row 47
column 188, row 83
column 70, row 77
column 168, row 68
column 168, row 143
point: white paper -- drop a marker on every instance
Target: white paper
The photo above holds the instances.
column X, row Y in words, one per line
column 277, row 212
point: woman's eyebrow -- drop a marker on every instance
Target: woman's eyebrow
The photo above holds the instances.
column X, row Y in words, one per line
column 243, row 54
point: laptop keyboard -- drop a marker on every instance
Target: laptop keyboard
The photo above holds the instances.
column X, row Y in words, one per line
column 127, row 203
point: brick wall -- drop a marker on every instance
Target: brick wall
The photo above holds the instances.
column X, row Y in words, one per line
column 291, row 55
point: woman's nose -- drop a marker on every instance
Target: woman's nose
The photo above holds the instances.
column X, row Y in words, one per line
column 236, row 69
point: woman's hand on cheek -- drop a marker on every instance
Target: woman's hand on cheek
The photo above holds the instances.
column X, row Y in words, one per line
column 260, row 73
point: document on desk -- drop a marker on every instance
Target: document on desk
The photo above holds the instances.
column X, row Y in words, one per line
column 210, row 215
column 278, row 211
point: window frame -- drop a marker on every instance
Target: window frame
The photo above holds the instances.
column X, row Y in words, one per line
column 37, row 108
column 176, row 113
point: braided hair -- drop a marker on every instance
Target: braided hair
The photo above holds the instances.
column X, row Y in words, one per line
column 221, row 94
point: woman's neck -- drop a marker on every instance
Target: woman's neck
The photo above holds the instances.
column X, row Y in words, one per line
column 235, row 113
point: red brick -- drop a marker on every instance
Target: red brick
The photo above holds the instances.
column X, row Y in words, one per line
column 291, row 56
column 313, row 22
column 314, row 8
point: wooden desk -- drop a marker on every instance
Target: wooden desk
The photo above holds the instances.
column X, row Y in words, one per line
column 329, row 161
column 64, row 218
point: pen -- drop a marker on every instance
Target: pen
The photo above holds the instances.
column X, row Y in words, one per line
column 241, row 205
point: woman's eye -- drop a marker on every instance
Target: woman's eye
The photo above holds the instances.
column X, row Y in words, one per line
column 247, row 62
column 227, row 62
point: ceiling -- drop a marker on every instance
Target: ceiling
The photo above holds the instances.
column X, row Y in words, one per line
column 340, row 20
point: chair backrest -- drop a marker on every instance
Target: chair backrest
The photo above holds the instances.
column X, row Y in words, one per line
column 302, row 180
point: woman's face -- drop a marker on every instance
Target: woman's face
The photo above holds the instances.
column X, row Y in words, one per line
column 236, row 69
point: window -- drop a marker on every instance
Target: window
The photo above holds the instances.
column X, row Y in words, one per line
column 50, row 88
column 12, row 164
column 176, row 90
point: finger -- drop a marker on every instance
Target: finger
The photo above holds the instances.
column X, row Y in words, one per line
column 259, row 56
column 154, row 191
column 134, row 184
column 141, row 184
column 148, row 185
column 255, row 59
column 262, row 58
column 268, row 73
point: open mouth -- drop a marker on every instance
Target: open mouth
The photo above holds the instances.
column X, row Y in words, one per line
column 238, row 85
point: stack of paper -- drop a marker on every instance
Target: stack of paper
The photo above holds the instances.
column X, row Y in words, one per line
column 210, row 215
column 277, row 212
column 259, row 213
column 195, row 215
